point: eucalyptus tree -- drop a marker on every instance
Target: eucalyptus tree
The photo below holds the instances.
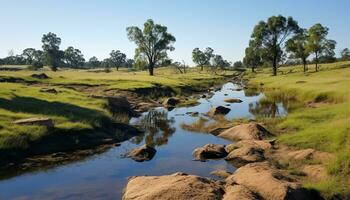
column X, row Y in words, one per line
column 318, row 44
column 94, row 62
column 296, row 46
column 253, row 55
column 345, row 54
column 73, row 57
column 271, row 35
column 28, row 54
column 153, row 42
column 202, row 58
column 117, row 58
column 51, row 46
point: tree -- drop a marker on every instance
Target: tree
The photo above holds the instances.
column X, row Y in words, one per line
column 153, row 42
column 73, row 57
column 238, row 64
column 318, row 44
column 218, row 61
column 94, row 62
column 28, row 54
column 51, row 46
column 253, row 57
column 271, row 35
column 297, row 47
column 345, row 54
column 202, row 58
column 117, row 58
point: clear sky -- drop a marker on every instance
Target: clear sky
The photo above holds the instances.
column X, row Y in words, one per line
column 98, row 26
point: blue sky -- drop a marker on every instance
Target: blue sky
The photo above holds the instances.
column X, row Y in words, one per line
column 97, row 27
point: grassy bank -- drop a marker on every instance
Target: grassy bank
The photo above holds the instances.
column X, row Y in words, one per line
column 323, row 123
column 77, row 108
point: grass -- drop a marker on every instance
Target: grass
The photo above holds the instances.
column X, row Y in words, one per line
column 326, row 127
column 73, row 109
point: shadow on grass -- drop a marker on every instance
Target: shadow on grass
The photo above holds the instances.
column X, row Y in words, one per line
column 39, row 106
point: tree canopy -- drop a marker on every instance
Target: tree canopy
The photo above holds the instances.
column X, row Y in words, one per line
column 202, row 58
column 51, row 45
column 296, row 46
column 271, row 35
column 153, row 42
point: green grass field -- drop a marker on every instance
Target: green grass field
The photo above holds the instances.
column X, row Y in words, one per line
column 73, row 110
column 326, row 127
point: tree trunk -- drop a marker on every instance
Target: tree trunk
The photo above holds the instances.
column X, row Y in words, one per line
column 253, row 69
column 316, row 61
column 151, row 68
column 202, row 67
column 117, row 68
column 304, row 64
column 274, row 64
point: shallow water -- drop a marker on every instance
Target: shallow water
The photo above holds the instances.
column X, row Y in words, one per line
column 104, row 176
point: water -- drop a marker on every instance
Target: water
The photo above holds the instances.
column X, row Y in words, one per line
column 104, row 176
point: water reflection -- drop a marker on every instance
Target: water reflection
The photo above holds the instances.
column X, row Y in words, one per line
column 267, row 108
column 157, row 126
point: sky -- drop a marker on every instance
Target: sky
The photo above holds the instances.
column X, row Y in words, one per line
column 98, row 26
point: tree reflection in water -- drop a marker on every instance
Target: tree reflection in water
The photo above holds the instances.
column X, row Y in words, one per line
column 267, row 108
column 157, row 128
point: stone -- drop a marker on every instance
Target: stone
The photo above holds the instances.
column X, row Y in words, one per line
column 141, row 154
column 172, row 187
column 219, row 110
column 209, row 151
column 250, row 131
column 36, row 121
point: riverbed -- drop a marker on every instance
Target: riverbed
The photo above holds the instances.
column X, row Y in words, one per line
column 104, row 176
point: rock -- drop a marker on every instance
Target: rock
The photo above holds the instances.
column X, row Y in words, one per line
column 49, row 90
column 221, row 173
column 209, row 151
column 36, row 121
column 40, row 76
column 120, row 104
column 171, row 102
column 303, row 154
column 219, row 110
column 250, row 131
column 262, row 144
column 268, row 182
column 244, row 155
column 172, row 187
column 239, row 192
column 233, row 100
column 193, row 114
column 141, row 154
column 225, row 94
column 204, row 96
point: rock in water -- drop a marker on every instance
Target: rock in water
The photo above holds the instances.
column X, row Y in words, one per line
column 233, row 100
column 143, row 153
column 209, row 151
column 251, row 131
column 177, row 186
column 219, row 110
column 171, row 102
column 35, row 121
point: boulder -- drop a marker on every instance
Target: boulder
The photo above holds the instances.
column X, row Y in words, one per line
column 209, row 151
column 172, row 187
column 244, row 155
column 219, row 110
column 40, row 76
column 262, row 144
column 250, row 131
column 303, row 154
column 171, row 102
column 239, row 192
column 35, row 121
column 141, row 154
column 268, row 182
column 233, row 100
column 221, row 173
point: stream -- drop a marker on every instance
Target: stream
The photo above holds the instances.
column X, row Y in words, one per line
column 104, row 176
